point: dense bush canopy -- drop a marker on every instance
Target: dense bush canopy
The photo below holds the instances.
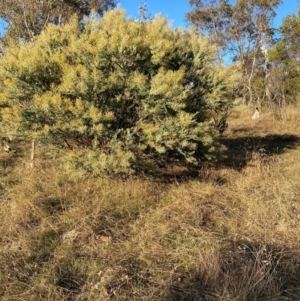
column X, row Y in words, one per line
column 121, row 94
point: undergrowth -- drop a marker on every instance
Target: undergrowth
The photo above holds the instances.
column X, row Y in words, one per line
column 231, row 233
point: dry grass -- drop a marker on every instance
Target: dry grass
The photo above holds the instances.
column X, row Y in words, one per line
column 230, row 234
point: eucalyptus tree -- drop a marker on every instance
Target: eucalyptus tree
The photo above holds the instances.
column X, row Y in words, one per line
column 242, row 31
column 212, row 18
column 285, row 56
column 27, row 18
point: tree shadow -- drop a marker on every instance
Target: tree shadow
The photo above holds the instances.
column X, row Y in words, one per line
column 239, row 149
column 247, row 271
column 9, row 160
column 188, row 286
column 180, row 173
column 237, row 153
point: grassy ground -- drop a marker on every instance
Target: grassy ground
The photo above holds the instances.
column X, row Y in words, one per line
column 231, row 233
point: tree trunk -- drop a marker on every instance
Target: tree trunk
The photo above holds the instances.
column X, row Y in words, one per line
column 32, row 153
column 268, row 87
column 283, row 107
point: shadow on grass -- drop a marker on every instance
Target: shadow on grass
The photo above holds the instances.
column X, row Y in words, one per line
column 10, row 159
column 239, row 149
column 238, row 153
column 247, row 271
column 176, row 174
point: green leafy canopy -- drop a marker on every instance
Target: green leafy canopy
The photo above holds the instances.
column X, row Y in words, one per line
column 120, row 94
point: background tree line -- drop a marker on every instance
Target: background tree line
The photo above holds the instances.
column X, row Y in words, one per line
column 27, row 18
column 268, row 57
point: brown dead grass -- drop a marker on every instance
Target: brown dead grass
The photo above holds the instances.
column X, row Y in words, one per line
column 232, row 233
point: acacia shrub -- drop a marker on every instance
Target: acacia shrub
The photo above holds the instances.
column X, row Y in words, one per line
column 119, row 94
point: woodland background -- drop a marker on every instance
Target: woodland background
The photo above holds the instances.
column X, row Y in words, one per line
column 130, row 166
